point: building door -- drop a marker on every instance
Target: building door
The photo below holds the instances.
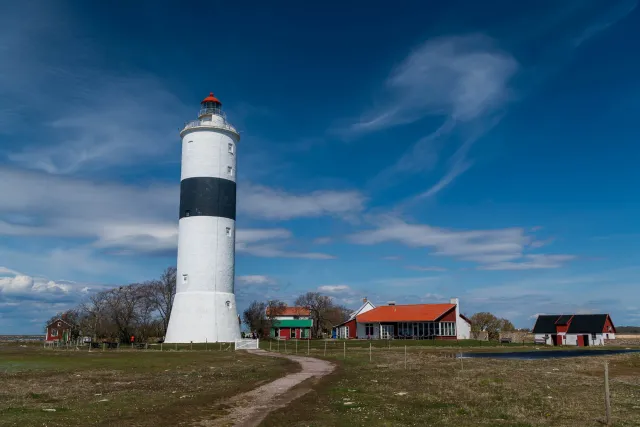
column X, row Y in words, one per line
column 386, row 332
column 580, row 340
column 586, row 340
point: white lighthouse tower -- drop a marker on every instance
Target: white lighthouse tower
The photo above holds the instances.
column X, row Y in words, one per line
column 204, row 308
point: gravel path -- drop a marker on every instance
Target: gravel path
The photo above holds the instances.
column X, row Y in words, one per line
column 251, row 408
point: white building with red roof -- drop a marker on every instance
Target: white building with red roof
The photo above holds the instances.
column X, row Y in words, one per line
column 411, row 321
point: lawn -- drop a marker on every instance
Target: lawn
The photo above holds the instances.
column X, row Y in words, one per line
column 123, row 387
column 436, row 389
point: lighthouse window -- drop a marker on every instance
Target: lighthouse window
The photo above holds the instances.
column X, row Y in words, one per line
column 230, row 148
column 185, row 278
column 229, row 231
column 229, row 170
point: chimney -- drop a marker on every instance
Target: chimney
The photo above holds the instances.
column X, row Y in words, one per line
column 364, row 300
column 456, row 301
column 391, row 303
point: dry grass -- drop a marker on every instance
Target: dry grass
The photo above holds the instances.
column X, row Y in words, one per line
column 128, row 388
column 440, row 391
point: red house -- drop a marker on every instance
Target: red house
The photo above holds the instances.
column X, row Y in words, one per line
column 291, row 323
column 58, row 330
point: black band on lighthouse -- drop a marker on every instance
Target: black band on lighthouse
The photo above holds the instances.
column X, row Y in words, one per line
column 207, row 196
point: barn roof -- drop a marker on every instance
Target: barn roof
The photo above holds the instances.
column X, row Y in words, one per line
column 546, row 324
column 587, row 323
column 58, row 320
column 564, row 319
column 578, row 323
column 405, row 313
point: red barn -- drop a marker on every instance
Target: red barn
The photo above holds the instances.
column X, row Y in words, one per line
column 581, row 330
column 58, row 330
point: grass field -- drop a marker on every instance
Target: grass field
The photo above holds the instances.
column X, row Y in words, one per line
column 128, row 388
column 438, row 390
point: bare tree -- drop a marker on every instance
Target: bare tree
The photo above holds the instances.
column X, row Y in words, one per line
column 161, row 294
column 320, row 307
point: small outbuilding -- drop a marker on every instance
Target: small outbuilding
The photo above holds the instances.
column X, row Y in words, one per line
column 58, row 330
column 291, row 323
column 581, row 330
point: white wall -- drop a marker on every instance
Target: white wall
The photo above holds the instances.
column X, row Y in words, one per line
column 463, row 329
column 361, row 331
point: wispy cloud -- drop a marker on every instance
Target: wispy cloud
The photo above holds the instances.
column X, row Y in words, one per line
column 463, row 81
column 56, row 206
column 334, row 289
column 269, row 203
column 460, row 77
column 253, row 280
column 419, row 268
column 498, row 249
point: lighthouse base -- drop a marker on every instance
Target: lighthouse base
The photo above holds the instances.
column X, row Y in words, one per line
column 203, row 317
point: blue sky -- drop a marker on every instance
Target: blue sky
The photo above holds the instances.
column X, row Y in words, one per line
column 410, row 154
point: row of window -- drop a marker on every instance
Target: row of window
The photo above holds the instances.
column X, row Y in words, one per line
column 415, row 329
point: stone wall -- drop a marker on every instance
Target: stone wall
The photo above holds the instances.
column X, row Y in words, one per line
column 481, row 335
column 526, row 337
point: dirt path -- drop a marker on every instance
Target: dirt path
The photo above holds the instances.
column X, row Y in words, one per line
column 251, row 408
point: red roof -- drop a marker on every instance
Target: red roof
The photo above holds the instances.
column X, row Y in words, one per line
column 405, row 313
column 211, row 98
column 292, row 311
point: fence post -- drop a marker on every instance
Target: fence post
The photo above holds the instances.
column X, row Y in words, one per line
column 176, row 346
column 344, row 349
column 607, row 397
column 191, row 346
column 296, row 346
column 269, row 345
column 308, row 345
column 278, row 345
column 405, row 357
column 160, row 346
column 285, row 346
column 325, row 347
column 369, row 351
column 206, row 344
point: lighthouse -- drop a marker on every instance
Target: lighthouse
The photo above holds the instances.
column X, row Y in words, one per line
column 204, row 307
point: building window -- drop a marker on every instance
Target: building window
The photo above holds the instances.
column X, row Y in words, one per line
column 292, row 333
column 229, row 170
column 229, row 231
column 593, row 337
column 54, row 332
column 368, row 329
column 346, row 332
column 187, row 213
column 230, row 148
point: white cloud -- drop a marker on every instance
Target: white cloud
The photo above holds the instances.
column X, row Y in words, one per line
column 268, row 203
column 420, row 268
column 464, row 80
column 260, row 242
column 494, row 249
column 460, row 77
column 13, row 282
column 333, row 289
column 531, row 261
column 255, row 280
column 322, row 240
column 134, row 218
